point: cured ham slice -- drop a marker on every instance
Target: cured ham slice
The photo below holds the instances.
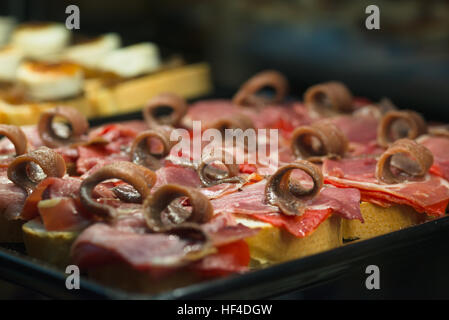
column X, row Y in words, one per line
column 12, row 197
column 359, row 129
column 187, row 177
column 118, row 135
column 62, row 214
column 285, row 117
column 53, row 188
column 439, row 146
column 430, row 195
column 101, row 244
column 210, row 109
column 250, row 201
column 94, row 157
column 56, row 201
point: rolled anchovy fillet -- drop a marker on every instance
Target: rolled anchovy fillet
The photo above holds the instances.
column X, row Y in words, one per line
column 291, row 198
column 140, row 178
column 16, row 136
column 320, row 140
column 141, row 149
column 165, row 109
column 210, row 176
column 238, row 121
column 329, row 96
column 161, row 200
column 403, row 160
column 29, row 169
column 78, row 126
column 400, row 124
column 247, row 94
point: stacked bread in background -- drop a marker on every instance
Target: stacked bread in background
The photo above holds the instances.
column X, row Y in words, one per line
column 41, row 67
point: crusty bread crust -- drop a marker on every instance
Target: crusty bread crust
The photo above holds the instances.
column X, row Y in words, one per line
column 26, row 114
column 274, row 245
column 122, row 276
column 379, row 221
column 52, row 247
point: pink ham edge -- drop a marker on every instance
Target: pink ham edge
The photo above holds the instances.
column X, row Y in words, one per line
column 359, row 173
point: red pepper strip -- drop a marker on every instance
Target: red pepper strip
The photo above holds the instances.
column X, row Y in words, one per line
column 299, row 226
column 230, row 258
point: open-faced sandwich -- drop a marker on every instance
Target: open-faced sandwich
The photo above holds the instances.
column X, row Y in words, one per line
column 169, row 200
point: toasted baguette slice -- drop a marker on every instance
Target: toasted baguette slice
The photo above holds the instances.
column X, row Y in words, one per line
column 124, row 277
column 10, row 230
column 188, row 81
column 29, row 113
column 52, row 247
column 379, row 220
column 274, row 245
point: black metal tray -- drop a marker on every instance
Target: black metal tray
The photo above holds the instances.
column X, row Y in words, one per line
column 398, row 248
column 292, row 276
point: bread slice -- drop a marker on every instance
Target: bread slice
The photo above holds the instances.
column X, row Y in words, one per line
column 122, row 276
column 10, row 230
column 99, row 100
column 380, row 220
column 52, row 247
column 270, row 245
column 29, row 113
column 187, row 81
column 273, row 245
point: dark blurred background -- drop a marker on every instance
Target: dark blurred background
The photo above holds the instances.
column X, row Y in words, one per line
column 309, row 40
